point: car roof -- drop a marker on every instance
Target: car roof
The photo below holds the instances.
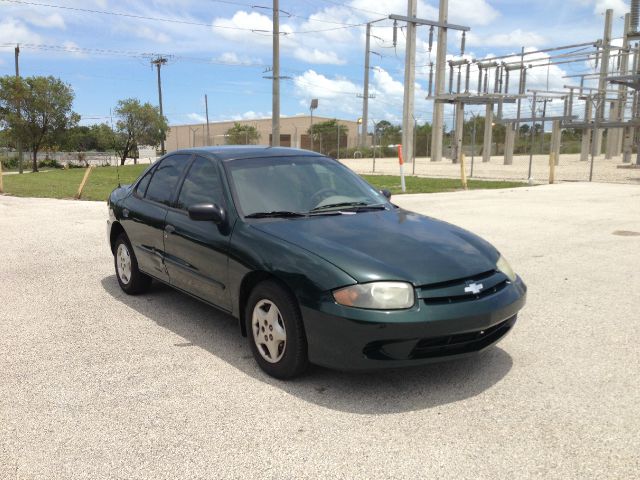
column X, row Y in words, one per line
column 236, row 152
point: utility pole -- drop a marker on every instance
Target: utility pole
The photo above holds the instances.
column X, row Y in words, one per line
column 409, row 82
column 275, row 115
column 602, row 81
column 365, row 96
column 158, row 62
column 206, row 112
column 441, row 66
column 18, row 140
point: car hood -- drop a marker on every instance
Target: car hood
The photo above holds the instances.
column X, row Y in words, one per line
column 388, row 245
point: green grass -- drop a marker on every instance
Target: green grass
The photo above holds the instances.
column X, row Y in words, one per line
column 65, row 183
column 433, row 185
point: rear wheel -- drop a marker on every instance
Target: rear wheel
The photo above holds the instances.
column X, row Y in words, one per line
column 276, row 332
column 130, row 278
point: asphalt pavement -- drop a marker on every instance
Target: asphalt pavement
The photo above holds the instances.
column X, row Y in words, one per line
column 96, row 384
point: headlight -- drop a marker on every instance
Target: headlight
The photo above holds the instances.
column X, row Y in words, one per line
column 505, row 268
column 376, row 295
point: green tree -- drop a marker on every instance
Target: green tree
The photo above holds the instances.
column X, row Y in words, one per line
column 325, row 135
column 138, row 124
column 103, row 136
column 388, row 134
column 423, row 140
column 241, row 134
column 36, row 110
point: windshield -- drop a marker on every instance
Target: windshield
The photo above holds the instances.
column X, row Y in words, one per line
column 298, row 185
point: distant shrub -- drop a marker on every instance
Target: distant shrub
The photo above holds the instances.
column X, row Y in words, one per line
column 49, row 163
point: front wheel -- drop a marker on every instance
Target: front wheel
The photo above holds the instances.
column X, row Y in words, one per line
column 131, row 280
column 276, row 332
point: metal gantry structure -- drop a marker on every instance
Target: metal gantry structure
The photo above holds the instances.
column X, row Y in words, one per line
column 612, row 106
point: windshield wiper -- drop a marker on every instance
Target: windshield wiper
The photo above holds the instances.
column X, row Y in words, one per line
column 276, row 214
column 359, row 206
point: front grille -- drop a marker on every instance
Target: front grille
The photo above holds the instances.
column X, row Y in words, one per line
column 434, row 347
column 462, row 342
column 453, row 291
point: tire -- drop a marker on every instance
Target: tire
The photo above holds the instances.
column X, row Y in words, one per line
column 276, row 336
column 132, row 281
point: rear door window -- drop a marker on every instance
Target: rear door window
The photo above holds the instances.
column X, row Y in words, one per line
column 165, row 179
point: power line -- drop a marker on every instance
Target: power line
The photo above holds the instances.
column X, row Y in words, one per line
column 126, row 53
column 175, row 21
column 340, row 4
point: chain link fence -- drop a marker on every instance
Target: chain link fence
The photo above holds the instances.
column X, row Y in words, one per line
column 530, row 162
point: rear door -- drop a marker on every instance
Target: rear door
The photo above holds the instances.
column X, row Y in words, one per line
column 144, row 213
column 196, row 251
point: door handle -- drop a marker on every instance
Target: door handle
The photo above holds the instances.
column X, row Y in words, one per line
column 168, row 230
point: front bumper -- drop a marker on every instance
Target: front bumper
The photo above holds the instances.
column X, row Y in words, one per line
column 346, row 338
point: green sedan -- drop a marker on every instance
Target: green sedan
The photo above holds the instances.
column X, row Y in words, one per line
column 317, row 265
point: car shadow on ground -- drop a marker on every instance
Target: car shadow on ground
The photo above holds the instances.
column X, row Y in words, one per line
column 376, row 392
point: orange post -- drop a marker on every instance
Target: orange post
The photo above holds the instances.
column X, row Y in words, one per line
column 401, row 162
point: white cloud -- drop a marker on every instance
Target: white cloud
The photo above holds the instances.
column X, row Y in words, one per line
column 72, row 47
column 251, row 115
column 317, row 56
column 619, row 7
column 142, row 31
column 196, row 117
column 14, row 31
column 54, row 20
column 234, row 58
column 514, row 38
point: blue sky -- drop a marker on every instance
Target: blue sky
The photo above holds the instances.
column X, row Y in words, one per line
column 215, row 52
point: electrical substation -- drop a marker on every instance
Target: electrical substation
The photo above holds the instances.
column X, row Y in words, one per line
column 602, row 104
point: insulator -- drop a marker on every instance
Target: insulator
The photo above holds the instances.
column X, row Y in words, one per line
column 495, row 80
column 506, row 82
column 459, row 78
column 450, row 78
column 430, row 38
column 570, row 105
column 486, row 80
column 430, row 78
column 466, row 81
column 395, row 33
column 463, row 42
column 479, row 79
column 635, row 15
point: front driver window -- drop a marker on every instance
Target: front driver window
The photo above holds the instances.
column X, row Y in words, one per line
column 201, row 185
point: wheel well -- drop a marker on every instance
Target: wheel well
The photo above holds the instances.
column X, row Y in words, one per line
column 248, row 283
column 116, row 230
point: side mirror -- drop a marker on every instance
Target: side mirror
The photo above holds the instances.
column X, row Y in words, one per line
column 386, row 193
column 207, row 212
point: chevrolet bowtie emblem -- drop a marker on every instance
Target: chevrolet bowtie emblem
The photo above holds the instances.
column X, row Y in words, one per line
column 473, row 288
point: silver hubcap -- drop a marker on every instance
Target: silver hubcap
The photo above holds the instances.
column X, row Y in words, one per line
column 269, row 333
column 123, row 263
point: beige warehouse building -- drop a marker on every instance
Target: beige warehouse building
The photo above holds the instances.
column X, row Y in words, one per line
column 293, row 133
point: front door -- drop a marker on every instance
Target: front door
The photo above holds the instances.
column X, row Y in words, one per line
column 144, row 213
column 196, row 251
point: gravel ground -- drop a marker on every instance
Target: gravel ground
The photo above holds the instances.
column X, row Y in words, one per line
column 96, row 384
column 569, row 169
